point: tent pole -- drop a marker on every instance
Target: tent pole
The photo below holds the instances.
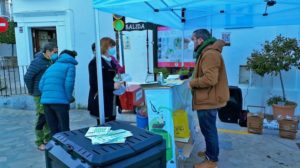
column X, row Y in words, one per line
column 117, row 46
column 147, row 46
column 182, row 49
column 122, row 47
column 99, row 69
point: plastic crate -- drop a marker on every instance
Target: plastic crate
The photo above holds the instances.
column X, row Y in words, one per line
column 134, row 96
column 71, row 149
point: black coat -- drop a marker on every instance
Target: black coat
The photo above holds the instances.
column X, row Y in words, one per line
column 35, row 72
column 108, row 74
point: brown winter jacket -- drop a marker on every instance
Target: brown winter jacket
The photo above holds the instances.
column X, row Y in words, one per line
column 210, row 85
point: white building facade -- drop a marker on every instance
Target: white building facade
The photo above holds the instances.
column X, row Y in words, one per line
column 258, row 89
column 71, row 23
column 74, row 25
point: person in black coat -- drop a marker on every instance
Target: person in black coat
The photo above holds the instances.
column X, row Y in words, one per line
column 108, row 73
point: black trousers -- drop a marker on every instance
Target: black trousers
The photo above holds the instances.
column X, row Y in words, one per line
column 41, row 121
column 57, row 116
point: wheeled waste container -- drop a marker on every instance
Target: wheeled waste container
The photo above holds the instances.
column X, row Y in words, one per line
column 72, row 149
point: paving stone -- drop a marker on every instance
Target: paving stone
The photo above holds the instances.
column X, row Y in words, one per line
column 17, row 148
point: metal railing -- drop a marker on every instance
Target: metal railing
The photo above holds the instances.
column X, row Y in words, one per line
column 12, row 78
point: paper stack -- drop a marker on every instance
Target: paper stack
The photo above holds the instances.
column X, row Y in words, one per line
column 104, row 135
column 171, row 82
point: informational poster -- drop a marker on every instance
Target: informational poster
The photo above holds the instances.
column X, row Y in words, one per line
column 226, row 38
column 170, row 48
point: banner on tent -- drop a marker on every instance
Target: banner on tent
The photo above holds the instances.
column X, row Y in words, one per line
column 139, row 26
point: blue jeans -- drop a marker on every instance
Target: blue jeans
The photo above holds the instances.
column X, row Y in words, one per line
column 207, row 121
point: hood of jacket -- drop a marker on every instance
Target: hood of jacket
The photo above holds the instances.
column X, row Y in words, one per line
column 66, row 58
column 218, row 45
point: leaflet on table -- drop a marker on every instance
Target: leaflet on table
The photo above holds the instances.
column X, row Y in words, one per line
column 104, row 135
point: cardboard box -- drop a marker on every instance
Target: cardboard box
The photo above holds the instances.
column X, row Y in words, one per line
column 180, row 144
column 255, row 122
column 184, row 148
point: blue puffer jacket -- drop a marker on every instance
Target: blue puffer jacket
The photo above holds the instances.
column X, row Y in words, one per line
column 57, row 84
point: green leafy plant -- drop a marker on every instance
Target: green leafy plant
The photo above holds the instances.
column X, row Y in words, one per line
column 183, row 71
column 278, row 99
column 276, row 56
column 8, row 37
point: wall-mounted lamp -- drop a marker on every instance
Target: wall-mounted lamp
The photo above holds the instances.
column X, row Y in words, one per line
column 268, row 4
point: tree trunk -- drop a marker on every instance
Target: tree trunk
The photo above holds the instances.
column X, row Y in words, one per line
column 282, row 87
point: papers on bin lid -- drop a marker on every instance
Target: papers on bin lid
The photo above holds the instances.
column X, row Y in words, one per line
column 96, row 131
column 104, row 135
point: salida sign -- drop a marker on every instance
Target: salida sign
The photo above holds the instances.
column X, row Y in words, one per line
column 3, row 25
column 138, row 26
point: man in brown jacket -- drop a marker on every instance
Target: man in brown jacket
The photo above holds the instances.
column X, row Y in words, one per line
column 210, row 90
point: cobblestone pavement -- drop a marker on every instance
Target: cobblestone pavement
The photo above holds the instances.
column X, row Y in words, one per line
column 237, row 148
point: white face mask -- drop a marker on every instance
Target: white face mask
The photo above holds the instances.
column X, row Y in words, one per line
column 191, row 45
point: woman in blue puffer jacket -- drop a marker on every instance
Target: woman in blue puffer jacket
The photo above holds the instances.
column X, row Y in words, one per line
column 56, row 86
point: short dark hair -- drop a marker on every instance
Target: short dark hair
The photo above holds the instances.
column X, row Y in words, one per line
column 49, row 46
column 202, row 33
column 93, row 47
column 69, row 52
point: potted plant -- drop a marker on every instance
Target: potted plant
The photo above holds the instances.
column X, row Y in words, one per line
column 184, row 73
column 276, row 56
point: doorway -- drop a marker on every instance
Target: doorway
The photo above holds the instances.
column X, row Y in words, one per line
column 41, row 36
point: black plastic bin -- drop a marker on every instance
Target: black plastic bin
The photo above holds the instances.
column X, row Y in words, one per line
column 71, row 149
column 233, row 109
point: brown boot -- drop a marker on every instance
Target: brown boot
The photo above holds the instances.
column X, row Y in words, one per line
column 206, row 164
